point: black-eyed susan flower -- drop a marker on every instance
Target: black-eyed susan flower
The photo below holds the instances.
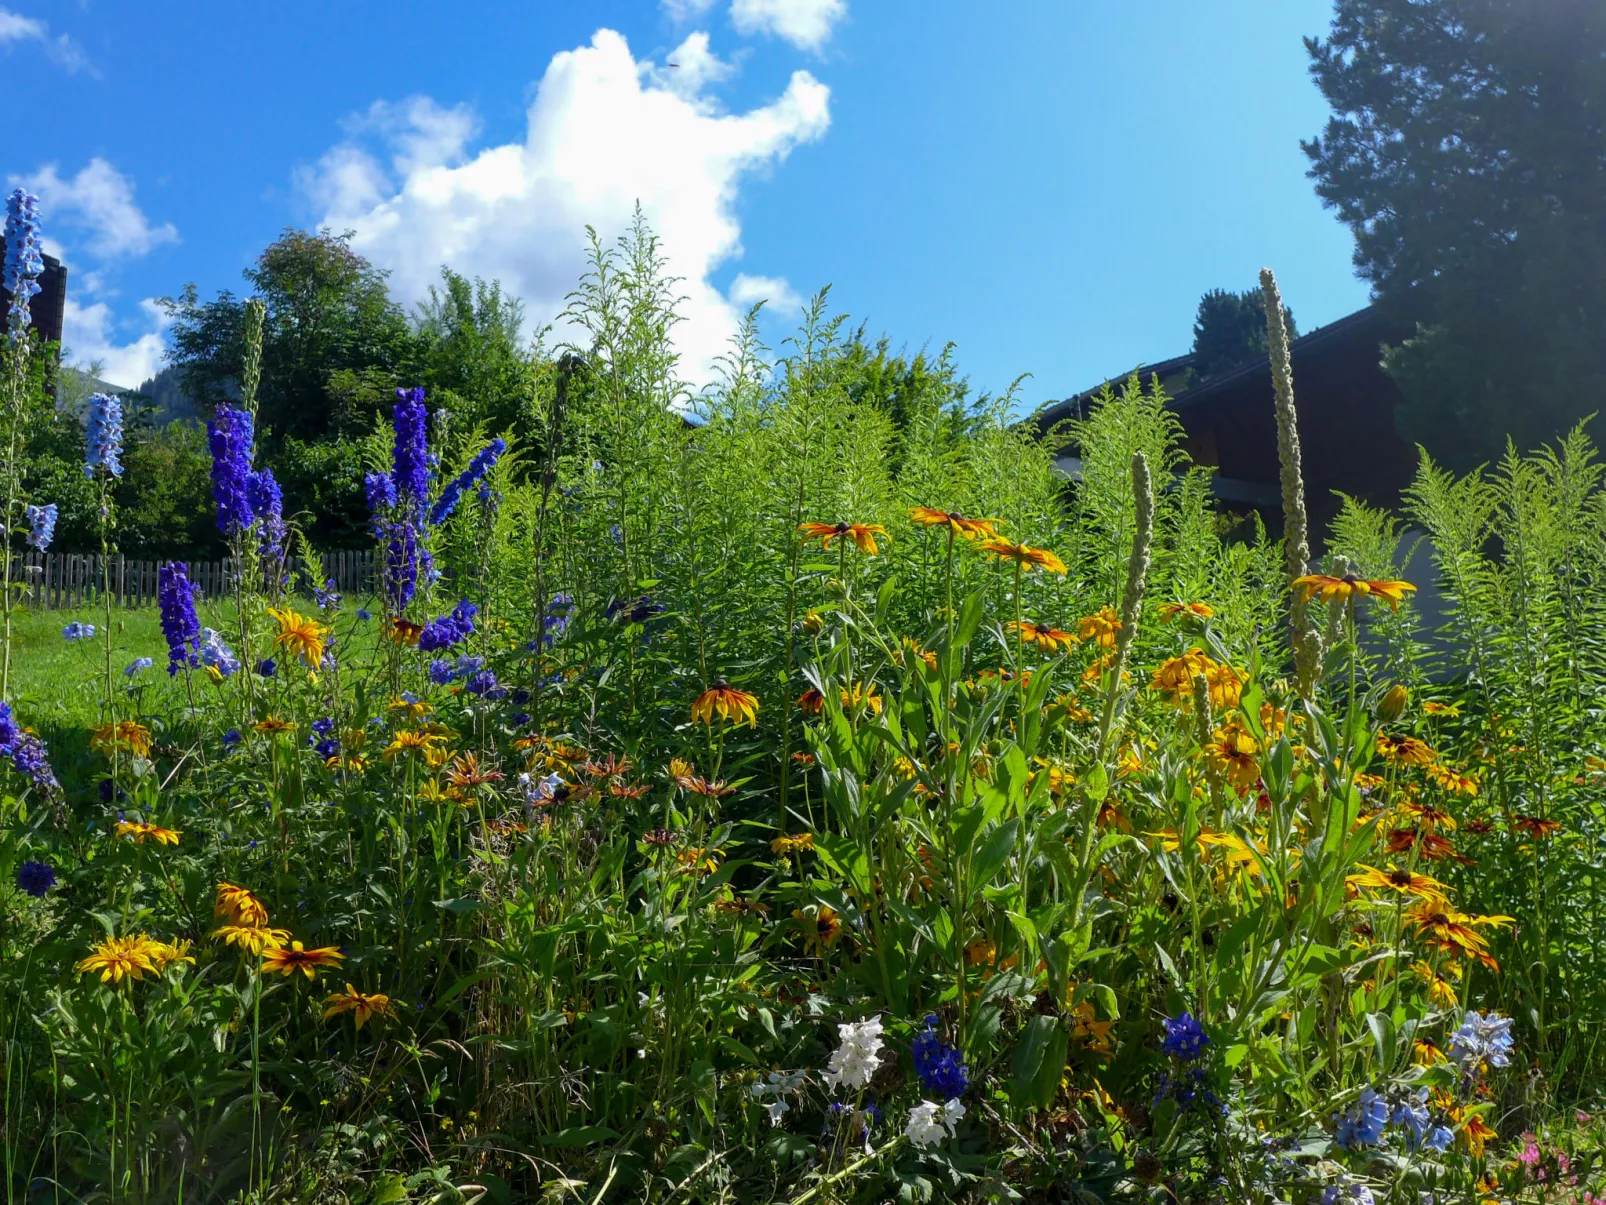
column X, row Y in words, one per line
column 1341, row 589
column 1453, row 781
column 957, row 524
column 288, row 959
column 862, row 534
column 403, row 631
column 167, row 953
column 1534, row 826
column 1440, row 926
column 1448, row 710
column 1405, row 750
column 861, row 696
column 1194, row 610
column 821, row 927
column 1046, row 637
column 119, row 958
column 792, row 843
column 411, row 742
column 698, row 860
column 1401, row 880
column 1023, row 556
column 811, row 702
column 1174, row 676
column 1100, row 627
column 1442, row 992
column 139, row 832
column 466, row 773
column 361, row 1005
column 253, row 939
column 725, row 701
column 274, row 726
column 239, row 906
column 411, row 706
column 299, row 636
column 1234, row 754
column 127, row 735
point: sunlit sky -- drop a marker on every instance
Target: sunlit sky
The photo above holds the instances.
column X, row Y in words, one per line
column 1050, row 186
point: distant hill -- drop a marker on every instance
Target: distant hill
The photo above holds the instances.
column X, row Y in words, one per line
column 163, row 393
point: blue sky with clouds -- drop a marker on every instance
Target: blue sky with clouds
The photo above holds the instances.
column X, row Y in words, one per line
column 1049, row 185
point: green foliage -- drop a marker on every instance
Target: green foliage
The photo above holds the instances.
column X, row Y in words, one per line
column 618, row 935
column 1467, row 154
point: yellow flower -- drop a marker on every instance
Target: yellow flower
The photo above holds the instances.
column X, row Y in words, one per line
column 361, row 1005
column 1439, row 988
column 862, row 534
column 861, row 695
column 1401, row 880
column 1049, row 639
column 136, row 738
column 1023, row 555
column 239, row 906
column 1341, row 589
column 1450, row 780
column 403, row 631
column 821, row 927
column 1449, row 710
column 1175, row 675
column 118, row 958
column 956, row 523
column 1100, row 628
column 415, row 709
column 1193, row 610
column 299, row 636
column 1093, row 1034
column 165, row 953
column 1233, row 753
column 1425, row 1053
column 700, row 861
column 251, row 938
column 287, row 960
column 724, row 700
column 273, row 725
column 1405, row 750
column 792, row 844
column 409, row 741
column 139, row 831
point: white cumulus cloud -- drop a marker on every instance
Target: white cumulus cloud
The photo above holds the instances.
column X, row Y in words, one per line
column 14, row 27
column 778, row 296
column 99, row 203
column 686, row 10
column 804, row 23
column 603, row 132
column 90, row 336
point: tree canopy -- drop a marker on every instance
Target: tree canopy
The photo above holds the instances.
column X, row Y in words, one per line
column 1467, row 153
column 1230, row 331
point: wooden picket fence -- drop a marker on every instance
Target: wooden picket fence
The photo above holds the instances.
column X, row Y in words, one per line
column 62, row 580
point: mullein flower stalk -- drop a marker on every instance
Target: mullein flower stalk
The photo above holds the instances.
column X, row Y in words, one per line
column 1137, row 576
column 1304, row 634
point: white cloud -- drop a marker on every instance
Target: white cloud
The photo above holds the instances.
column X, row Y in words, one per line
column 99, row 200
column 804, row 23
column 90, row 337
column 686, row 10
column 689, row 69
column 14, row 27
column 774, row 291
column 602, row 132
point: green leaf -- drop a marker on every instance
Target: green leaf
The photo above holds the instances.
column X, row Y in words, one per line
column 1039, row 1061
column 579, row 1136
column 995, row 851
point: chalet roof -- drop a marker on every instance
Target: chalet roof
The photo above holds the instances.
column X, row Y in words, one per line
column 1361, row 323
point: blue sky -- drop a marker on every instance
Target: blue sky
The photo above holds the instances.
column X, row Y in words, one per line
column 1049, row 185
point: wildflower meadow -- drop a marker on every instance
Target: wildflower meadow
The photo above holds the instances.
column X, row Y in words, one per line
column 763, row 795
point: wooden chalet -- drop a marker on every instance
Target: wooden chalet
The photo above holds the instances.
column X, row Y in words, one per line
column 1346, row 407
